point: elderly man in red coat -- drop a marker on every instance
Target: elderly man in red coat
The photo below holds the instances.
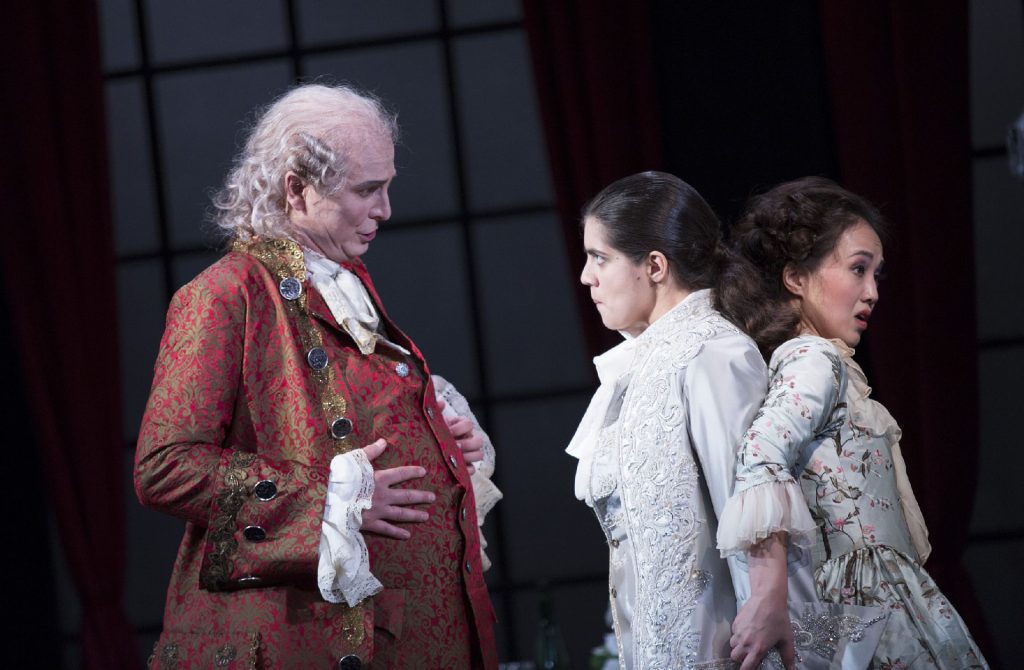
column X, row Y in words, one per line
column 331, row 494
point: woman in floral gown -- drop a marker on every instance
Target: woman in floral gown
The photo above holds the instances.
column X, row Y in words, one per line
column 820, row 467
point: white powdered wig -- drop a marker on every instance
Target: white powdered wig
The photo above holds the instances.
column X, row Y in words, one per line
column 310, row 131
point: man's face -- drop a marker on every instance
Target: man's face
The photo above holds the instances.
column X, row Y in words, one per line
column 342, row 225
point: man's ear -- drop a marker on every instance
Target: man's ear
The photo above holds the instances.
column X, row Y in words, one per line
column 794, row 279
column 657, row 267
column 294, row 187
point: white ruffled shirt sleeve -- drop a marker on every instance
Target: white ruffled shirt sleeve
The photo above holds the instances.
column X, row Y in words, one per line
column 343, row 574
column 808, row 381
column 485, row 492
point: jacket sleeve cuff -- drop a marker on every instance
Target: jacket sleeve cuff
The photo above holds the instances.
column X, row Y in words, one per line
column 343, row 574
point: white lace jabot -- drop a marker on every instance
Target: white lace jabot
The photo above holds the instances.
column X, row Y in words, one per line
column 348, row 300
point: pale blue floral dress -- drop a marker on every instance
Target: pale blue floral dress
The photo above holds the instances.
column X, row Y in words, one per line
column 820, row 437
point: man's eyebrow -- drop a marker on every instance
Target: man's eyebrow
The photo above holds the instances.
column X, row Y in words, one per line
column 370, row 182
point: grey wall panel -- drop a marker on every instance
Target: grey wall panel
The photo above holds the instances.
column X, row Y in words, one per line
column 185, row 30
column 152, row 544
column 420, row 275
column 203, row 118
column 119, row 35
column 506, row 164
column 998, row 239
column 1001, row 460
column 131, row 173
column 334, row 21
column 532, row 332
column 141, row 307
column 463, row 13
column 548, row 533
column 993, row 568
column 997, row 69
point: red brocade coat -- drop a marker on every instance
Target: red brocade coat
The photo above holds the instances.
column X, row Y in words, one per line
column 237, row 440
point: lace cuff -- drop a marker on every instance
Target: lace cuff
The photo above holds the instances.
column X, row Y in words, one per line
column 752, row 515
column 485, row 492
column 343, row 574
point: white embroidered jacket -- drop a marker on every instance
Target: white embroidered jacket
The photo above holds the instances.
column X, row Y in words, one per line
column 657, row 455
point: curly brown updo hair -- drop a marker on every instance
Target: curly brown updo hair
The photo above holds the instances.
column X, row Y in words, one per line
column 795, row 224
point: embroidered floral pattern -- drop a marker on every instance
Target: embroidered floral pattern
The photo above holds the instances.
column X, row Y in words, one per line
column 233, row 377
column 840, row 444
column 646, row 488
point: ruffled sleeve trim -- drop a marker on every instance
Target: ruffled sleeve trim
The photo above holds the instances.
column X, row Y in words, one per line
column 752, row 515
column 343, row 574
column 485, row 492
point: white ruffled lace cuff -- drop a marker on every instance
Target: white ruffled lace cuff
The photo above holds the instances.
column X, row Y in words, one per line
column 343, row 574
column 485, row 491
column 755, row 513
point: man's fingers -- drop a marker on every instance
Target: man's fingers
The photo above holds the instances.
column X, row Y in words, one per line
column 375, row 449
column 404, row 514
column 405, row 497
column 381, row 527
column 788, row 652
column 402, row 473
column 473, row 456
column 460, row 426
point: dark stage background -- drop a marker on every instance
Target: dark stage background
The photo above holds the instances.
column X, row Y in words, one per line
column 120, row 115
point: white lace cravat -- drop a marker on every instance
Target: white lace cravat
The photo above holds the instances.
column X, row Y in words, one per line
column 348, row 300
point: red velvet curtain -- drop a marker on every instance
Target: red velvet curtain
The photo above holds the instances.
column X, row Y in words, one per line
column 58, row 265
column 898, row 78
column 594, row 71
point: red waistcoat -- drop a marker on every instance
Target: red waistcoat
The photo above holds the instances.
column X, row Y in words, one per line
column 236, row 402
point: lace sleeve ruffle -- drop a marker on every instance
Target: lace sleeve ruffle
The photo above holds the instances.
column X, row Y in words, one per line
column 485, row 492
column 343, row 574
column 753, row 514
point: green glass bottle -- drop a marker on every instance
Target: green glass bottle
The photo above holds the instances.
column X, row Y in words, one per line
column 551, row 651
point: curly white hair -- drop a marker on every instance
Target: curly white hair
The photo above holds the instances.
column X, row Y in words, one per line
column 310, row 130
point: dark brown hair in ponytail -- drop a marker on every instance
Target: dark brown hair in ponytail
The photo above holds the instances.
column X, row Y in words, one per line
column 797, row 223
column 657, row 211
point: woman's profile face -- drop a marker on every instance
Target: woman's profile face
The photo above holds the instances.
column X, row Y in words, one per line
column 837, row 299
column 620, row 289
